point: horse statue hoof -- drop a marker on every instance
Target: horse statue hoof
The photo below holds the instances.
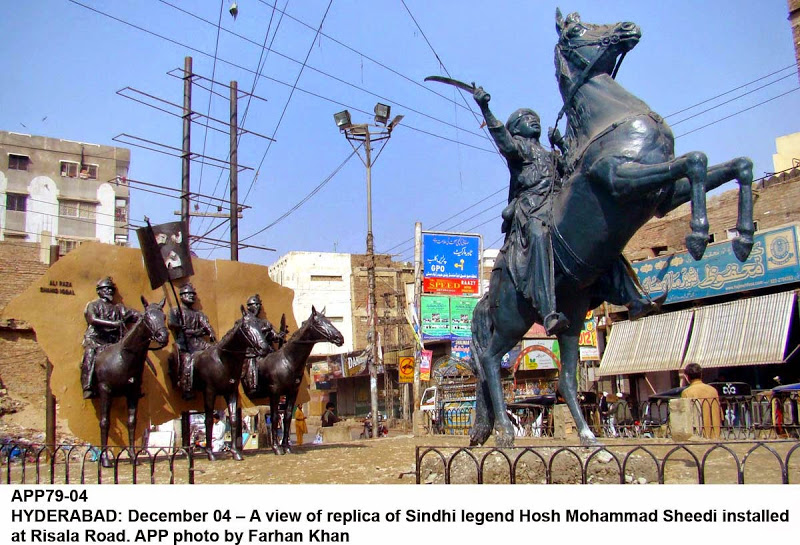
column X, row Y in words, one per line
column 279, row 451
column 504, row 440
column 105, row 462
column 696, row 244
column 589, row 440
column 742, row 246
column 479, row 435
column 237, row 455
column 211, row 457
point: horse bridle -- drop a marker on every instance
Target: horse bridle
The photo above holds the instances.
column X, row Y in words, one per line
column 572, row 48
column 149, row 328
column 312, row 341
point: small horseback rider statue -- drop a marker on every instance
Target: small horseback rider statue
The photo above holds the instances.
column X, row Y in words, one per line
column 250, row 368
column 190, row 328
column 106, row 322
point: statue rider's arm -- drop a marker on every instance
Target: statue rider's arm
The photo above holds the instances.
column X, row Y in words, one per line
column 206, row 325
column 92, row 318
column 498, row 131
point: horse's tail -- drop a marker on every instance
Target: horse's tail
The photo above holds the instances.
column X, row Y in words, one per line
column 481, row 331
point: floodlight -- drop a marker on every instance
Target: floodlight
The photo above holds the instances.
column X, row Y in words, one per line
column 395, row 122
column 342, row 120
column 382, row 113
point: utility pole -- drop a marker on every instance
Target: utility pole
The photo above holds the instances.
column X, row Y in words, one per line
column 234, row 172
column 186, row 150
column 415, row 416
column 361, row 133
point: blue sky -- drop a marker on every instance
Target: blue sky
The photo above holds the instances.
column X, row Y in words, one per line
column 65, row 61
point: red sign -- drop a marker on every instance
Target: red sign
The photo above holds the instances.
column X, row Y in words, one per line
column 451, row 286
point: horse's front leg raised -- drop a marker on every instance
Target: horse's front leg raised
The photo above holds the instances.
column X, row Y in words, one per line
column 236, row 426
column 629, row 179
column 741, row 170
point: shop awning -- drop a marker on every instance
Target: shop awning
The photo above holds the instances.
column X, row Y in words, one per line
column 655, row 343
column 746, row 332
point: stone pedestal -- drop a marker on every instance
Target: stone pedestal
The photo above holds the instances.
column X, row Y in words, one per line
column 680, row 419
column 563, row 423
column 338, row 433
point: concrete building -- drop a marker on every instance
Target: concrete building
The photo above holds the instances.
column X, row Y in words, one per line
column 321, row 280
column 55, row 191
column 338, row 282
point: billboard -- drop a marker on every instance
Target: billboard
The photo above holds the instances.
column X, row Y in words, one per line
column 451, row 255
column 447, row 318
column 772, row 261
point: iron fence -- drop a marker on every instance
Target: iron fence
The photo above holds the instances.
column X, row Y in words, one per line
column 760, row 462
column 22, row 463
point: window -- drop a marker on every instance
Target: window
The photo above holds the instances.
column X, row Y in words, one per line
column 77, row 209
column 121, row 210
column 16, row 202
column 67, row 245
column 325, row 278
column 121, row 240
column 18, row 162
column 69, row 169
column 89, row 172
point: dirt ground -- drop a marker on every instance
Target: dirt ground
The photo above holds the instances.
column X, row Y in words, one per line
column 391, row 460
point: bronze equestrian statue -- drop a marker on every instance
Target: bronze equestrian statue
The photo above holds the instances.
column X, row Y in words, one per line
column 217, row 370
column 118, row 369
column 280, row 373
column 190, row 327
column 105, row 326
column 250, row 369
column 619, row 171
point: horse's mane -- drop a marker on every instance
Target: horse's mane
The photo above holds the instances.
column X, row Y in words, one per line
column 301, row 330
column 230, row 332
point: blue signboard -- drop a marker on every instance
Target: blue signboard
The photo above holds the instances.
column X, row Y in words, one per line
column 450, row 255
column 773, row 261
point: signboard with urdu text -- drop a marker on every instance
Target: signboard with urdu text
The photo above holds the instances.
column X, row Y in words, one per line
column 446, row 255
column 772, row 261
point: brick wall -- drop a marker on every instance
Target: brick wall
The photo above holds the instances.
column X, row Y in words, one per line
column 22, row 362
column 19, row 268
column 776, row 202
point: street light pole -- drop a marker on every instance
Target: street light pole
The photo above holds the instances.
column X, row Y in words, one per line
column 362, row 133
column 373, row 315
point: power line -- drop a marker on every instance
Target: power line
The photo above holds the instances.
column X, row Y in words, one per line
column 792, row 66
column 739, row 112
column 365, row 56
column 306, row 198
column 698, row 114
column 288, row 101
column 213, row 74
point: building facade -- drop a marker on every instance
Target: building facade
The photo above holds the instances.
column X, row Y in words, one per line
column 55, row 191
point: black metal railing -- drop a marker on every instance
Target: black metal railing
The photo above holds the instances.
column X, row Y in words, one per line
column 761, row 462
column 22, row 463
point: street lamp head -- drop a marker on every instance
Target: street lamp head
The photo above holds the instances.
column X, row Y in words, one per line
column 342, row 120
column 382, row 113
column 395, row 122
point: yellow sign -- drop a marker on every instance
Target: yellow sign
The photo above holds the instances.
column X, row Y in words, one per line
column 405, row 370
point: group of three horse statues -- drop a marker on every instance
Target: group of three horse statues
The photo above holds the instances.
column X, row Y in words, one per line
column 620, row 171
column 119, row 367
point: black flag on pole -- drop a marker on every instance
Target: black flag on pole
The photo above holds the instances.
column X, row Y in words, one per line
column 165, row 249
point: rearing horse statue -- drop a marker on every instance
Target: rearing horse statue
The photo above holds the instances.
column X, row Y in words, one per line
column 218, row 369
column 621, row 171
column 280, row 373
column 119, row 367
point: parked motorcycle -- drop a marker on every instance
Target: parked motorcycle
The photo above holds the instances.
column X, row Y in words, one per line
column 383, row 431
